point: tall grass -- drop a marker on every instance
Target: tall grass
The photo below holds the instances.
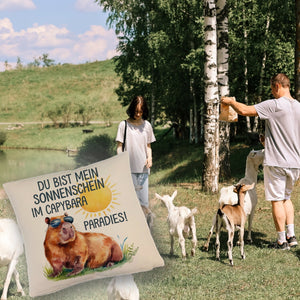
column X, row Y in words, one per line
column 27, row 94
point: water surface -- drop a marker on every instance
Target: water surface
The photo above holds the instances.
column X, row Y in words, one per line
column 18, row 164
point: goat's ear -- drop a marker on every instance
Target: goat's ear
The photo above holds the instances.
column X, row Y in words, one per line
column 158, row 196
column 174, row 194
column 247, row 187
column 250, row 186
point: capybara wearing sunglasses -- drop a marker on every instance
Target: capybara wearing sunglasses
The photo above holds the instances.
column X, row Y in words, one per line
column 66, row 247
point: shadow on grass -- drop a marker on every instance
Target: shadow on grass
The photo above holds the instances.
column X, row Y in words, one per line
column 189, row 172
column 180, row 161
column 177, row 160
column 170, row 256
column 257, row 240
column 298, row 253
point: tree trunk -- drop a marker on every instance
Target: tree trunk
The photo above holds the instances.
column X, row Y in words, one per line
column 211, row 125
column 297, row 51
column 248, row 123
column 262, row 71
column 223, row 83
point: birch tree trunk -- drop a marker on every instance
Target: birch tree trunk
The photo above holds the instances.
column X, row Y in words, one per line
column 223, row 84
column 211, row 123
column 262, row 71
column 297, row 51
column 248, row 122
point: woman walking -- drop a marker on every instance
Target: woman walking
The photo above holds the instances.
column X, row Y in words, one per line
column 135, row 135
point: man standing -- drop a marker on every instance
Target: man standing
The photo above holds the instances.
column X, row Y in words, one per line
column 282, row 153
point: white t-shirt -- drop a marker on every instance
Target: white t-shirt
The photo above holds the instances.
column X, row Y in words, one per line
column 137, row 138
column 282, row 131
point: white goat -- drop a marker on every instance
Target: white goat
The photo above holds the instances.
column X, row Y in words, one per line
column 123, row 288
column 227, row 196
column 181, row 221
column 231, row 217
column 11, row 248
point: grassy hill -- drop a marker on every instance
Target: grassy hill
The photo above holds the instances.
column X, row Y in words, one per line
column 28, row 94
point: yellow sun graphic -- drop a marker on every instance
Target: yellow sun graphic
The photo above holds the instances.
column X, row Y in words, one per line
column 101, row 200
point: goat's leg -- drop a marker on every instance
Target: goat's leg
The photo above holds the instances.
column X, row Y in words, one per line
column 250, row 219
column 230, row 244
column 17, row 279
column 242, row 230
column 206, row 245
column 172, row 244
column 194, row 238
column 218, row 229
column 181, row 240
column 10, row 271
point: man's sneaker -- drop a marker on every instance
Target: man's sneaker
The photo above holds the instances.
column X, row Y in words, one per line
column 292, row 241
column 276, row 245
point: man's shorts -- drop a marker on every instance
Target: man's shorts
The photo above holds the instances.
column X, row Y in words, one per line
column 279, row 182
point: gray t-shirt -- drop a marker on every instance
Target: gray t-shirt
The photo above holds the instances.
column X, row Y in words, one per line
column 282, row 131
column 137, row 138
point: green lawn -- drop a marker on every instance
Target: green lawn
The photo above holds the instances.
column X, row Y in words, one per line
column 264, row 274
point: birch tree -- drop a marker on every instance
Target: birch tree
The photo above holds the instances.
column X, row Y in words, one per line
column 223, row 84
column 211, row 124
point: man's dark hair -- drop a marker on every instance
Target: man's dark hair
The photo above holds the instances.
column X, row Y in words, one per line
column 282, row 79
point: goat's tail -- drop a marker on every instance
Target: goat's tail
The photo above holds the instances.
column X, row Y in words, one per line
column 192, row 213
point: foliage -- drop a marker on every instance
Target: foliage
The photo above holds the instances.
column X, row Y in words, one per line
column 2, row 137
column 54, row 114
column 162, row 57
column 161, row 49
column 46, row 60
column 84, row 111
column 96, row 148
column 251, row 17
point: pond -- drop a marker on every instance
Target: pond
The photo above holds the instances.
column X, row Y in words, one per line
column 18, row 164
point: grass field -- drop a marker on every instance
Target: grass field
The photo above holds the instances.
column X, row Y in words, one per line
column 264, row 274
column 28, row 94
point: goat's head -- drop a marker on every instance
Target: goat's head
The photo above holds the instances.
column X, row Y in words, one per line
column 166, row 199
column 256, row 157
column 243, row 188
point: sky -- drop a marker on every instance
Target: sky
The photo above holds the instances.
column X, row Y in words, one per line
column 69, row 31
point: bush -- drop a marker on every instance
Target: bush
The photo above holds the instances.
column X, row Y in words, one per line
column 95, row 148
column 2, row 137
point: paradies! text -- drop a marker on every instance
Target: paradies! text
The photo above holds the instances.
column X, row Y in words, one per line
column 105, row 221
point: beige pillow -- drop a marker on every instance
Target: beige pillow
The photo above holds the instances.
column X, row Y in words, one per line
column 82, row 225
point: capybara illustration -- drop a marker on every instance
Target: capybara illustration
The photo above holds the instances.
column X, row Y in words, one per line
column 69, row 248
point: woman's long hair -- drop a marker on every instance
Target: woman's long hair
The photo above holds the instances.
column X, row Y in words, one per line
column 133, row 105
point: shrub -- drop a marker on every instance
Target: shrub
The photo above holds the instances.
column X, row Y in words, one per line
column 2, row 137
column 95, row 148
